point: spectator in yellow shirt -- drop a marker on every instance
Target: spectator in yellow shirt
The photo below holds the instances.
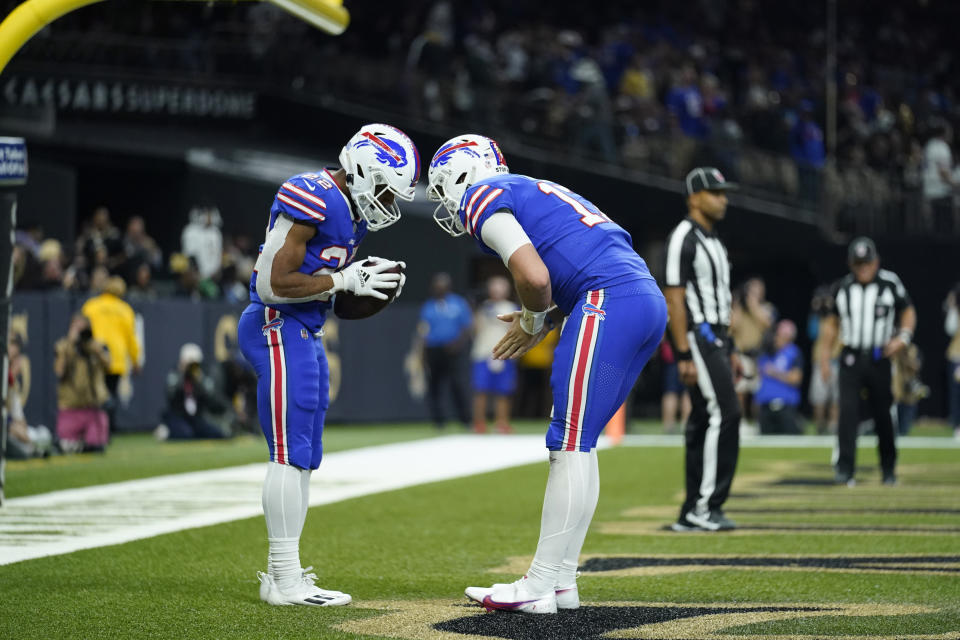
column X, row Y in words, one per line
column 112, row 323
column 533, row 395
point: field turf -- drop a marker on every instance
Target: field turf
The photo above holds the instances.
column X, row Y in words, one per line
column 811, row 560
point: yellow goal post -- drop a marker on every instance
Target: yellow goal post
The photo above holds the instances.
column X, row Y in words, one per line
column 29, row 17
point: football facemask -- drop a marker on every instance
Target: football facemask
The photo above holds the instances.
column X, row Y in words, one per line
column 459, row 163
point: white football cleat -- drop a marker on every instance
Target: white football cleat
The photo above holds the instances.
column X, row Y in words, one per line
column 266, row 584
column 568, row 597
column 305, row 593
column 513, row 597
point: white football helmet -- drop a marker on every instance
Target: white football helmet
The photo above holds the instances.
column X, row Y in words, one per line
column 457, row 164
column 377, row 159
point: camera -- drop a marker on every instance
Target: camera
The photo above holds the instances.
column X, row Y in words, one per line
column 194, row 371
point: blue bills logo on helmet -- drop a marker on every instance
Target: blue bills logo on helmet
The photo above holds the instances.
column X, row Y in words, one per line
column 389, row 152
column 444, row 155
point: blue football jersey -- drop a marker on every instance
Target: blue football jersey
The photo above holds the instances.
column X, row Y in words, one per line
column 315, row 199
column 582, row 248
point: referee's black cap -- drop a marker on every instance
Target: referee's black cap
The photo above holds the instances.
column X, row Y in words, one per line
column 862, row 249
column 707, row 179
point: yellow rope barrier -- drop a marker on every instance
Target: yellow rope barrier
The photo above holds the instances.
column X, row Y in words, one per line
column 31, row 16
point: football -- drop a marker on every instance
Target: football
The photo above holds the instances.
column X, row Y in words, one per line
column 348, row 306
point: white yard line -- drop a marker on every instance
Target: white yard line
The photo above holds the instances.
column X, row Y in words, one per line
column 64, row 521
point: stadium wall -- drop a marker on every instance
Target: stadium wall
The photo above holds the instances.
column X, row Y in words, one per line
column 364, row 356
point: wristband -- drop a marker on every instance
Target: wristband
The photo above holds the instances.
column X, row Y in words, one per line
column 683, row 356
column 532, row 321
column 905, row 336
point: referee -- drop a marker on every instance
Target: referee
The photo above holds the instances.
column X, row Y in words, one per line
column 697, row 288
column 874, row 319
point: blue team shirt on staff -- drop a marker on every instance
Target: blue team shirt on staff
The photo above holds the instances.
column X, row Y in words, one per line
column 789, row 357
column 445, row 318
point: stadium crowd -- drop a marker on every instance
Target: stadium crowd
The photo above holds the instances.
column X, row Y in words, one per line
column 741, row 86
column 206, row 266
column 110, row 268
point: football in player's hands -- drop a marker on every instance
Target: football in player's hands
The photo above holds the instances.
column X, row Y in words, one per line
column 348, row 306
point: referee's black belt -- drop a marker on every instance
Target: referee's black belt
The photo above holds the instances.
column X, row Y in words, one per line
column 868, row 353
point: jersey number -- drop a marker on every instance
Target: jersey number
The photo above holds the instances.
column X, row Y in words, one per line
column 587, row 217
column 326, row 184
column 335, row 253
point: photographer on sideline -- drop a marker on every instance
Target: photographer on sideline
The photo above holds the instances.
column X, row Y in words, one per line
column 81, row 364
column 192, row 401
column 113, row 322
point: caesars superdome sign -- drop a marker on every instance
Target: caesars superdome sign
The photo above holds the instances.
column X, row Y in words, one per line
column 13, row 162
column 112, row 97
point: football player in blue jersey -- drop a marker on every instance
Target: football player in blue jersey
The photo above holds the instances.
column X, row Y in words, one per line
column 572, row 266
column 316, row 224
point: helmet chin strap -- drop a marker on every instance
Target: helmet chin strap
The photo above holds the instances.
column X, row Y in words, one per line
column 354, row 207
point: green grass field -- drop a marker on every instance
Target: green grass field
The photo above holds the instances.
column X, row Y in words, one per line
column 811, row 560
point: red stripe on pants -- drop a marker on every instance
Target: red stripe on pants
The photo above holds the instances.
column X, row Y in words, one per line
column 581, row 373
column 277, row 390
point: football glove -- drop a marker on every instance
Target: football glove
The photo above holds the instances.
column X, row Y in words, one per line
column 364, row 281
column 403, row 276
column 403, row 265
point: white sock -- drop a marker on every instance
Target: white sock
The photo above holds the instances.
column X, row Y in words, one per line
column 285, row 562
column 283, row 511
column 304, row 496
column 571, row 559
column 564, row 505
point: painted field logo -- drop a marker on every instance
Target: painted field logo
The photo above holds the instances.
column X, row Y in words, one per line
column 444, row 620
column 618, row 566
column 658, row 565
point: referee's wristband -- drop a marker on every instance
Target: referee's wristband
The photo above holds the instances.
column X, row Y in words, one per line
column 683, row 356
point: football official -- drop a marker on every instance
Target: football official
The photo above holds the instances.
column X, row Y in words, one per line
column 874, row 320
column 697, row 288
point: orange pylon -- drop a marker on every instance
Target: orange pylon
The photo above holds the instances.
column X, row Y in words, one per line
column 617, row 425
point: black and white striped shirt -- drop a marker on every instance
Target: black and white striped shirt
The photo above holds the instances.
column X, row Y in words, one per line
column 697, row 261
column 868, row 312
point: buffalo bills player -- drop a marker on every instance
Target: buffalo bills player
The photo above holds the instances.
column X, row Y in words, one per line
column 316, row 225
column 559, row 247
